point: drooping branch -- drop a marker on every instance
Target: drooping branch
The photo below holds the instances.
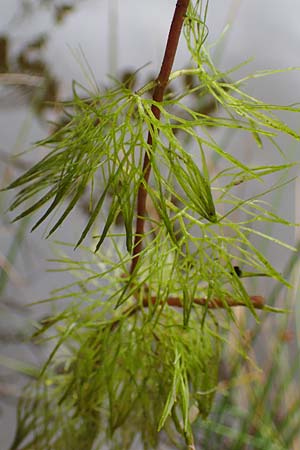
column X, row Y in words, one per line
column 158, row 94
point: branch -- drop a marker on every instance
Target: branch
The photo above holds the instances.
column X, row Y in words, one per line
column 257, row 301
column 158, row 94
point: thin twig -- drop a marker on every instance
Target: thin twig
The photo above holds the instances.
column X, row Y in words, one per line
column 257, row 302
column 158, row 94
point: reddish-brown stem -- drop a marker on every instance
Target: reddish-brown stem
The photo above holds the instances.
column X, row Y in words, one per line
column 158, row 94
column 257, row 302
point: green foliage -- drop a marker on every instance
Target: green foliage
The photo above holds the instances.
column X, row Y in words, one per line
column 120, row 377
column 97, row 142
column 127, row 363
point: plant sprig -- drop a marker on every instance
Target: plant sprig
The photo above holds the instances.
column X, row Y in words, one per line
column 142, row 335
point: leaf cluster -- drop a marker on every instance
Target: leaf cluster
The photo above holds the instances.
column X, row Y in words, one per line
column 108, row 379
column 97, row 143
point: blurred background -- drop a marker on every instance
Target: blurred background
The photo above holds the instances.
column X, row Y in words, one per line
column 44, row 45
